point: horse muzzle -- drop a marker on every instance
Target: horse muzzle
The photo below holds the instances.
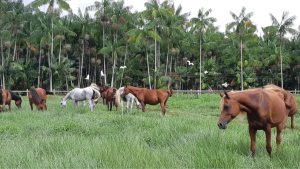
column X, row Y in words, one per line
column 222, row 125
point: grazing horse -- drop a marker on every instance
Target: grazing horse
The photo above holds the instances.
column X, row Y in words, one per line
column 110, row 96
column 81, row 94
column 265, row 110
column 38, row 96
column 152, row 97
column 130, row 98
column 289, row 100
column 5, row 99
column 16, row 98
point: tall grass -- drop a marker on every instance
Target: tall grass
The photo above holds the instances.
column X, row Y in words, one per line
column 187, row 137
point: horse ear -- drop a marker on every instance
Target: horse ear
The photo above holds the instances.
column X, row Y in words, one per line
column 221, row 94
column 227, row 96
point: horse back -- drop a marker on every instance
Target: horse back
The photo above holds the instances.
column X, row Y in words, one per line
column 5, row 97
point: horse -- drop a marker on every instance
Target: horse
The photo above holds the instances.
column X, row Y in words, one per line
column 265, row 110
column 38, row 96
column 81, row 94
column 130, row 98
column 102, row 90
column 16, row 98
column 5, row 99
column 110, row 96
column 288, row 98
column 152, row 97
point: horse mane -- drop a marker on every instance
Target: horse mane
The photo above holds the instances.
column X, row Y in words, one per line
column 14, row 96
column 35, row 97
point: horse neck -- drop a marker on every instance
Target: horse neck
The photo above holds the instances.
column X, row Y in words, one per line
column 67, row 97
column 247, row 99
column 134, row 90
column 15, row 97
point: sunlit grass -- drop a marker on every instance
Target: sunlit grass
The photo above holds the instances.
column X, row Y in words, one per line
column 187, row 137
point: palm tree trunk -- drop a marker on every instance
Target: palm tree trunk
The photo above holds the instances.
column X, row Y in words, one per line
column 242, row 80
column 40, row 66
column 149, row 77
column 15, row 48
column 2, row 57
column 51, row 56
column 81, row 67
column 155, row 71
column 59, row 51
column 104, row 67
column 167, row 59
column 200, row 85
column 124, row 64
column 281, row 76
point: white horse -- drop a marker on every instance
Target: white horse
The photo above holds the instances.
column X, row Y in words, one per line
column 79, row 94
column 130, row 98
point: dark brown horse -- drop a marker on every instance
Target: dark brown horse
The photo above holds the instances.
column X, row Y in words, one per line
column 16, row 98
column 5, row 99
column 265, row 110
column 152, row 97
column 38, row 96
column 289, row 99
column 110, row 96
column 102, row 90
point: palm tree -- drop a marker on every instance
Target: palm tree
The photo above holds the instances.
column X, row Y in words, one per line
column 282, row 28
column 200, row 24
column 62, row 5
column 239, row 26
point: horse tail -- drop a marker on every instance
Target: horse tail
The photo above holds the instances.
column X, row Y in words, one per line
column 98, row 94
column 170, row 93
column 35, row 96
column 283, row 94
column 49, row 93
column 118, row 96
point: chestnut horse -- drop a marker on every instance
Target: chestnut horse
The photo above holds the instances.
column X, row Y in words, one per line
column 5, row 99
column 152, row 97
column 16, row 98
column 102, row 91
column 38, row 96
column 110, row 95
column 265, row 110
column 288, row 98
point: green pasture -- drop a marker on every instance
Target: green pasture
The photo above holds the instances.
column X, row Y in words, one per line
column 187, row 137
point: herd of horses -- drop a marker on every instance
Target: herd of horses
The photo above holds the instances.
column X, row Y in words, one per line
column 265, row 108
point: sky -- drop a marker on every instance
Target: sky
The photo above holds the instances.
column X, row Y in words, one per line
column 220, row 9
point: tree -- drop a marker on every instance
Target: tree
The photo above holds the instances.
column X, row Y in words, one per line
column 239, row 26
column 200, row 24
column 282, row 28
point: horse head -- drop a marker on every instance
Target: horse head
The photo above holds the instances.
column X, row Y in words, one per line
column 230, row 108
column 18, row 103
column 126, row 90
column 63, row 103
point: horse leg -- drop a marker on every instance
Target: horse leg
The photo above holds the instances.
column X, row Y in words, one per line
column 163, row 108
column 268, row 137
column 122, row 105
column 278, row 136
column 31, row 105
column 252, row 133
column 74, row 104
column 131, row 105
column 143, row 106
column 292, row 122
column 91, row 105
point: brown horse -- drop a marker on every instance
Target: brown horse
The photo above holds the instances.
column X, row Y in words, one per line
column 152, row 97
column 110, row 95
column 289, row 100
column 5, row 99
column 16, row 98
column 38, row 96
column 102, row 90
column 265, row 110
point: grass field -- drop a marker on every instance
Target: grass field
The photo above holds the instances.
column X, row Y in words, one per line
column 187, row 137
